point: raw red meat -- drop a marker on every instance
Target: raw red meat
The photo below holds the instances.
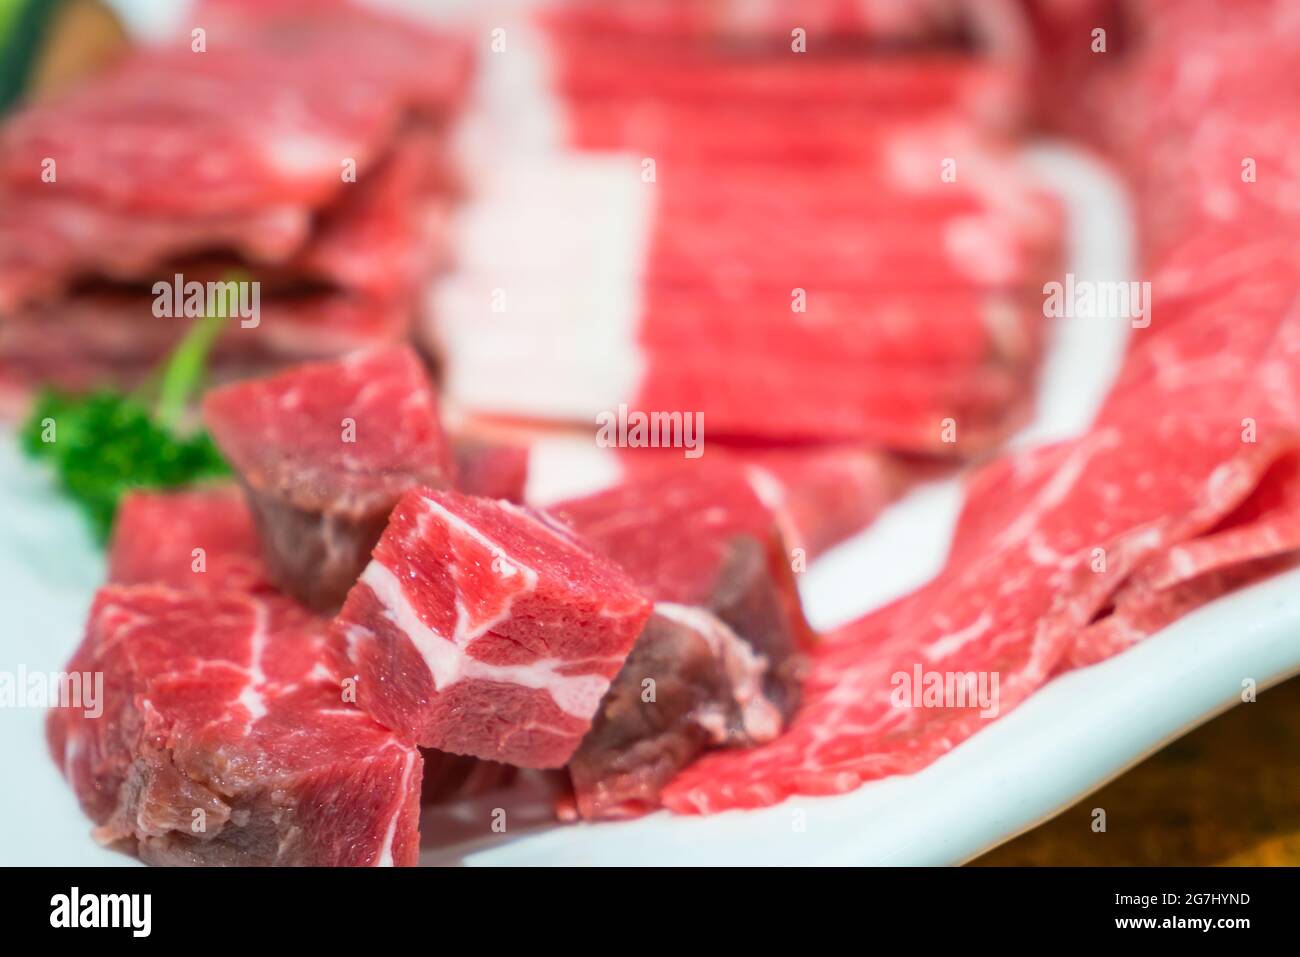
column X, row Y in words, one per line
column 262, row 120
column 153, row 542
column 986, row 251
column 593, row 69
column 700, row 537
column 1139, row 613
column 380, row 236
column 923, row 314
column 947, row 331
column 1048, row 540
column 818, row 495
column 828, row 136
column 156, row 536
column 490, row 469
column 888, row 22
column 324, row 451
column 689, row 684
column 387, row 233
column 823, row 495
column 1261, row 537
column 106, row 336
column 909, row 409
column 1010, row 602
column 225, row 738
column 45, row 242
column 305, row 147
column 484, row 628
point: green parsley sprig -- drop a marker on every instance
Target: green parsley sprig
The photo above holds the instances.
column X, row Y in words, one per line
column 104, row 443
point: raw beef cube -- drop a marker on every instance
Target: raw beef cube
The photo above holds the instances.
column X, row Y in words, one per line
column 689, row 684
column 487, row 629
column 324, row 451
column 700, row 536
column 158, row 535
column 823, row 495
column 224, row 738
column 490, row 469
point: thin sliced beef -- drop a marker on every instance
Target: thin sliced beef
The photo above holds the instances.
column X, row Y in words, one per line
column 1260, row 538
column 107, row 336
column 819, row 495
column 1175, row 494
column 261, row 120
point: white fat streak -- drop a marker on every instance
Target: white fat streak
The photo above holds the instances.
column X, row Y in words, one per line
column 561, row 234
column 542, row 320
column 251, row 696
column 449, row 663
column 956, row 640
column 386, row 855
column 507, row 568
column 513, row 107
column 1055, row 490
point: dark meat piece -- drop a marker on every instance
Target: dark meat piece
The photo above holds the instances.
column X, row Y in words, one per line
column 324, row 451
column 689, row 684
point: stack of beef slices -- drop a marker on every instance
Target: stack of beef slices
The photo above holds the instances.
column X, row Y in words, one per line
column 829, row 255
column 285, row 167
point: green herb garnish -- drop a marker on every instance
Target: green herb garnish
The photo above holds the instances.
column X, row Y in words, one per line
column 104, row 443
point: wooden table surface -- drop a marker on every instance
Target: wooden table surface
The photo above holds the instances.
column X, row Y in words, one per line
column 1228, row 793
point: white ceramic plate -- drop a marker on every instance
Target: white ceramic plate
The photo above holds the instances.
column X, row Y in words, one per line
column 1069, row 739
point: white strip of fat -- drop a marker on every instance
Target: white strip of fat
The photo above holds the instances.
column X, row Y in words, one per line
column 386, row 855
column 252, row 697
column 448, row 662
column 541, row 321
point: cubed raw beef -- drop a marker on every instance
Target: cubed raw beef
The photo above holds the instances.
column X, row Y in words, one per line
column 823, row 495
column 157, row 539
column 490, row 469
column 699, row 536
column 225, row 738
column 689, row 684
column 324, row 451
column 487, row 629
